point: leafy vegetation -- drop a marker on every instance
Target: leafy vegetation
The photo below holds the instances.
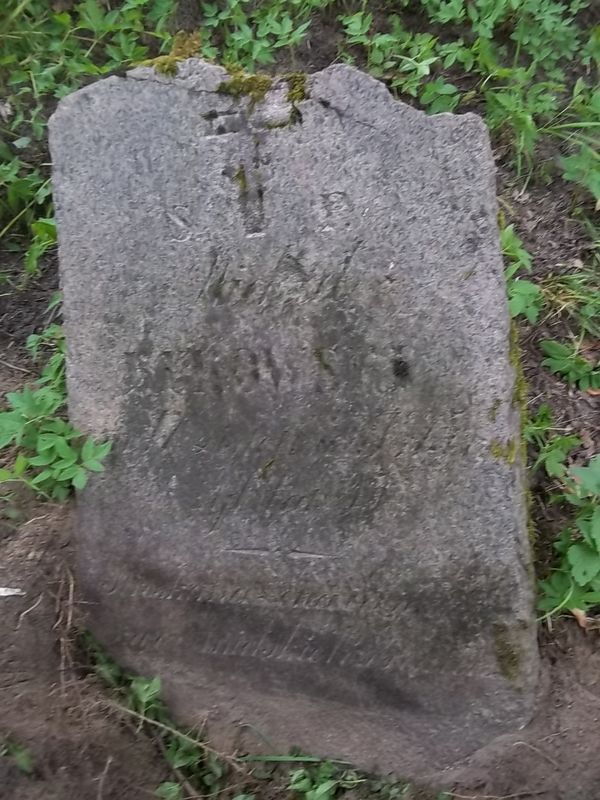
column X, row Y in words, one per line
column 524, row 297
column 565, row 360
column 323, row 781
column 45, row 55
column 552, row 448
column 575, row 584
column 48, row 454
column 514, row 55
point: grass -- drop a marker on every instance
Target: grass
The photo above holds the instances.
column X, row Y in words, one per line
column 531, row 68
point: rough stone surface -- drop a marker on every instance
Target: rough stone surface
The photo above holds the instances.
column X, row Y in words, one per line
column 291, row 321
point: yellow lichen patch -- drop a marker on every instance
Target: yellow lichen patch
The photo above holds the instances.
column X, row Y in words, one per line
column 185, row 45
column 243, row 84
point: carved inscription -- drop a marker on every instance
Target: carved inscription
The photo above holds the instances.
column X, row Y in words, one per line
column 340, row 599
column 297, row 643
column 240, row 403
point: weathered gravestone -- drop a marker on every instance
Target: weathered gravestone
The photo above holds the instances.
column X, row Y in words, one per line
column 290, row 319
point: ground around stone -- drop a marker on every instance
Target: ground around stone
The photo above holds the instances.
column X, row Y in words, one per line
column 83, row 752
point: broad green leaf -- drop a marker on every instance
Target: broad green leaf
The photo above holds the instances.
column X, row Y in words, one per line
column 42, row 460
column 92, row 16
column 94, row 466
column 60, row 492
column 301, row 785
column 186, row 755
column 22, row 758
column 88, row 450
column 79, row 479
column 555, row 349
column 64, row 450
column 595, row 527
column 68, row 473
column 324, row 789
column 20, row 465
column 588, row 477
column 45, row 230
column 102, row 450
column 169, row 791
column 584, row 561
column 11, row 424
column 42, row 477
column 46, row 441
column 63, row 463
column 146, row 690
column 583, row 168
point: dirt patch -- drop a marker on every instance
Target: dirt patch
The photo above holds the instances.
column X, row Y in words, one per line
column 78, row 752
column 553, row 757
column 24, row 304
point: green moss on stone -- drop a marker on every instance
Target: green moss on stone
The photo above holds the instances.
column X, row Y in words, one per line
column 505, row 451
column 507, row 653
column 493, row 412
column 185, row 45
column 241, row 179
column 520, row 389
column 243, row 84
column 273, row 126
column 320, row 354
column 296, row 82
column 519, row 401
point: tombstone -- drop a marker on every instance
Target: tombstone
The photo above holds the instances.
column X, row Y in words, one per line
column 284, row 304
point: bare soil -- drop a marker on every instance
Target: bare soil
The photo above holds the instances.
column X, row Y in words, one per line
column 79, row 751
